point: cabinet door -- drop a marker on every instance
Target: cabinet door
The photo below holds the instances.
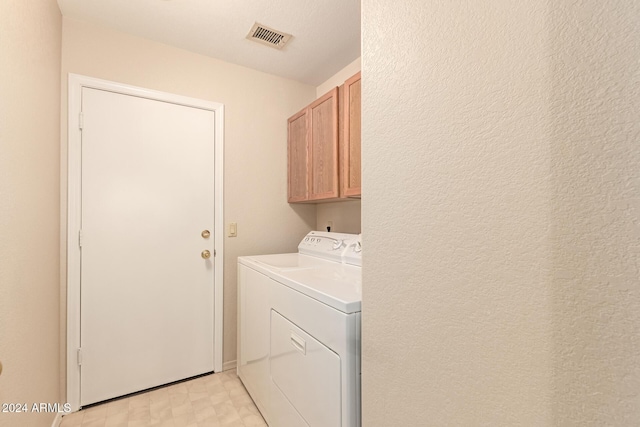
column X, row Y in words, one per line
column 351, row 143
column 323, row 147
column 297, row 156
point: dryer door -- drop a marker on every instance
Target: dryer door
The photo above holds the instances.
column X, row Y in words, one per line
column 306, row 372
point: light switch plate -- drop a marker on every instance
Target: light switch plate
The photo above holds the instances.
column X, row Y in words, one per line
column 233, row 229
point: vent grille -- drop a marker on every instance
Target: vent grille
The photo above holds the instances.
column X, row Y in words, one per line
column 268, row 36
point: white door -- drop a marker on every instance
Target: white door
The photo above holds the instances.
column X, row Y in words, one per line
column 146, row 292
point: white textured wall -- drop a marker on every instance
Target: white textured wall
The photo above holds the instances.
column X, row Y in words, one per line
column 456, row 293
column 257, row 106
column 501, row 144
column 595, row 143
column 30, row 36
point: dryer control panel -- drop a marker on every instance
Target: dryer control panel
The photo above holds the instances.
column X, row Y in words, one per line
column 332, row 246
column 353, row 252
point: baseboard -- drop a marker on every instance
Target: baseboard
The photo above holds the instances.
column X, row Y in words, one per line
column 57, row 420
column 227, row 366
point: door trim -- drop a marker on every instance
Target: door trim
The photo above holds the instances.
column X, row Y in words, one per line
column 74, row 161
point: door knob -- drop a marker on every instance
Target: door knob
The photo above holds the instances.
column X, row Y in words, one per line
column 205, row 234
column 205, row 254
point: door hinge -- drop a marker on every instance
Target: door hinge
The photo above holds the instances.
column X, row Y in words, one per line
column 81, row 121
column 79, row 357
column 80, row 238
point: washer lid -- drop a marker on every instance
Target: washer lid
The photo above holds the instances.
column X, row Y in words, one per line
column 338, row 285
column 280, row 262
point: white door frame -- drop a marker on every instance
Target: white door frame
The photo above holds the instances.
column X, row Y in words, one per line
column 76, row 83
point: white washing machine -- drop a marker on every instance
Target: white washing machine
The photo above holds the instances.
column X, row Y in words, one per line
column 299, row 332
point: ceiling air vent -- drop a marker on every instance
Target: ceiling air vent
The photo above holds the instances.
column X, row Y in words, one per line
column 268, row 36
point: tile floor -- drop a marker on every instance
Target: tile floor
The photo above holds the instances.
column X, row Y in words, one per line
column 213, row 400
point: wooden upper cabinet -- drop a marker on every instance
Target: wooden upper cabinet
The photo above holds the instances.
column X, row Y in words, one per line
column 297, row 153
column 313, row 151
column 351, row 140
column 324, row 147
column 324, row 143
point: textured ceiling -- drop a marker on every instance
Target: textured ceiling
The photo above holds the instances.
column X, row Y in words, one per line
column 326, row 34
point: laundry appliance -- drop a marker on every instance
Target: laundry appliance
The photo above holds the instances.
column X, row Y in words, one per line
column 299, row 332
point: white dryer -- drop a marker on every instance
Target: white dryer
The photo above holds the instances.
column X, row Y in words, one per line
column 299, row 332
